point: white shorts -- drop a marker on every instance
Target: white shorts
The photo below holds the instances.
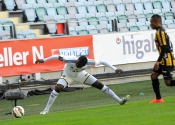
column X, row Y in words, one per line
column 82, row 77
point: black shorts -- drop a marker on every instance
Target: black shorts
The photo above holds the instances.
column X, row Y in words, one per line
column 166, row 71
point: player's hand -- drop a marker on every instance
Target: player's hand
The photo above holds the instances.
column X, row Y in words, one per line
column 39, row 61
column 119, row 71
column 156, row 66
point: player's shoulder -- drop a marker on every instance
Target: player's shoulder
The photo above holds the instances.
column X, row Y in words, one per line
column 161, row 29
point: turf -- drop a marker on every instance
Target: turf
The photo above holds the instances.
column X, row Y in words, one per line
column 91, row 106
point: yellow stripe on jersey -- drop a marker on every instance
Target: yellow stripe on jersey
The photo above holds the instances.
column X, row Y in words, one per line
column 169, row 60
column 163, row 38
column 159, row 38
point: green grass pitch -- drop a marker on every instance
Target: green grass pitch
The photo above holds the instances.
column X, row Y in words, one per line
column 92, row 107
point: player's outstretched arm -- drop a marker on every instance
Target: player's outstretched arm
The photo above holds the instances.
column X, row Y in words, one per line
column 112, row 67
column 119, row 71
column 39, row 61
column 54, row 57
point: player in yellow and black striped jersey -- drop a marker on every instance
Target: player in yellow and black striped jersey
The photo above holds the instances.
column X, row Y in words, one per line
column 165, row 62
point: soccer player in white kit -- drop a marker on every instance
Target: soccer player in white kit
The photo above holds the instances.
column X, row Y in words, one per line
column 74, row 73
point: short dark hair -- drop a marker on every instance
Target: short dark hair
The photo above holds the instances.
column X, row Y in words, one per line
column 156, row 18
column 83, row 60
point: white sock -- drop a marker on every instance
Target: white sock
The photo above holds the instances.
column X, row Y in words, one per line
column 51, row 100
column 108, row 91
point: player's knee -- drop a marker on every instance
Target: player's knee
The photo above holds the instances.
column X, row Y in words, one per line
column 153, row 76
column 167, row 83
column 58, row 88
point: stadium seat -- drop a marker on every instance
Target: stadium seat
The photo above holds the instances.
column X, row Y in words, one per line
column 4, row 35
column 40, row 11
column 148, row 5
column 141, row 18
column 28, row 33
column 62, row 1
column 172, row 3
column 166, row 10
column 137, row 12
column 102, row 28
column 81, row 17
column 8, row 22
column 127, row 1
column 60, row 8
column 157, row 4
column 145, row 1
column 129, row 7
column 101, row 8
column 168, row 21
column 169, row 15
column 132, row 18
column 129, row 24
column 147, row 11
column 41, row 1
column 129, row 13
column 92, row 29
column 71, row 20
column 71, row 9
column 166, row 4
column 136, row 1
column 110, row 6
column 109, row 26
column 117, row 13
column 156, row 11
column 81, row 0
column 51, row 28
column 140, row 23
column 19, row 3
column 50, row 9
column 9, row 4
column 119, row 25
column 133, row 28
column 122, row 18
column 106, row 2
column 52, row 1
column 91, row 0
column 92, row 19
column 81, row 30
column 123, row 29
column 120, row 7
column 19, row 34
column 28, row 13
column 91, row 7
column 139, row 6
column 102, row 18
column 110, row 15
column 72, row 31
column 59, row 18
column 143, row 27
column 72, row 1
column 31, row 2
column 172, row 25
column 117, row 1
column 81, row 8
column 148, row 16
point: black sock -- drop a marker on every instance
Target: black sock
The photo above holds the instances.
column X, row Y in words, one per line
column 155, row 84
column 172, row 83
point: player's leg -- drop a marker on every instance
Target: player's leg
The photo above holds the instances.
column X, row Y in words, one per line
column 155, row 84
column 92, row 81
column 61, row 84
column 168, row 76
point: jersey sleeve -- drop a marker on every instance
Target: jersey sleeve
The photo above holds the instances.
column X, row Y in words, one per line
column 67, row 59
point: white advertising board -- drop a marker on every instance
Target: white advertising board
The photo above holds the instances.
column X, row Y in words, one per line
column 130, row 47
